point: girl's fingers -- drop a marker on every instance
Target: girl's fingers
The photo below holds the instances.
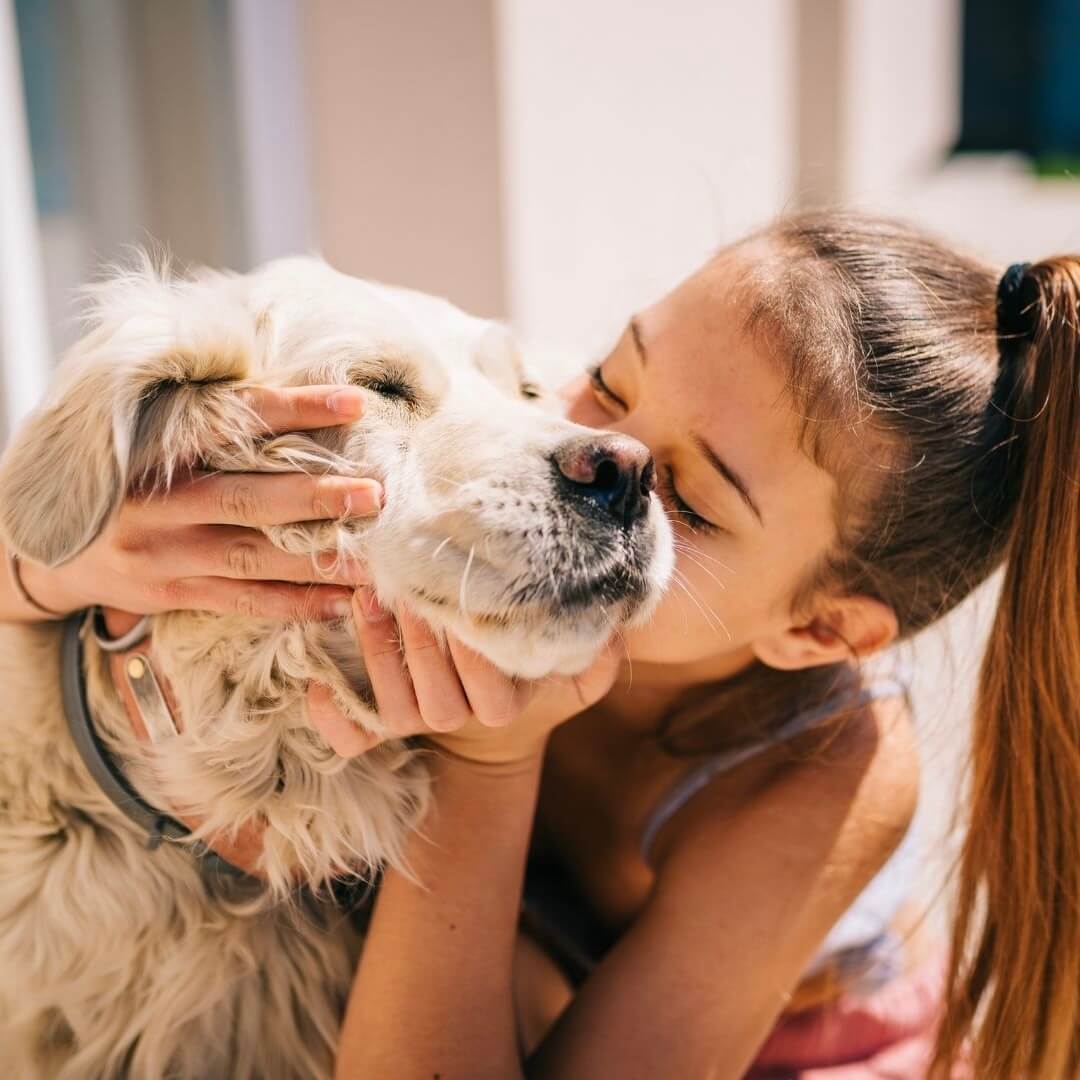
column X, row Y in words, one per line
column 255, row 499
column 258, row 599
column 597, row 679
column 376, row 632
column 303, row 408
column 340, row 733
column 233, row 552
column 495, row 698
column 439, row 695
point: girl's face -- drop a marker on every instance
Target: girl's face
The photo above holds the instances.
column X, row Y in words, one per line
column 752, row 513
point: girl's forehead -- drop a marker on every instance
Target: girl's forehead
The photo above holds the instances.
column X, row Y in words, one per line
column 721, row 380
column 716, row 301
column 700, row 330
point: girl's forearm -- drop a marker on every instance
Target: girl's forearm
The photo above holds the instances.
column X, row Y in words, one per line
column 433, row 991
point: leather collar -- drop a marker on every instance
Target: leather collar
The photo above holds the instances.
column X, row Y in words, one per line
column 131, row 664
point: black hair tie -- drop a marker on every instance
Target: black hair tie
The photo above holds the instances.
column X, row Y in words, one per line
column 1017, row 303
column 1016, row 295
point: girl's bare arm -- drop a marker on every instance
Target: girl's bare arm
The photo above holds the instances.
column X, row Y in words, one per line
column 746, row 889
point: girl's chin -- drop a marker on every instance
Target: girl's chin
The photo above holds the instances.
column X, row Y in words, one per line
column 680, row 642
column 653, row 644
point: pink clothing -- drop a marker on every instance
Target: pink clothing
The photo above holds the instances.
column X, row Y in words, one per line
column 886, row 1035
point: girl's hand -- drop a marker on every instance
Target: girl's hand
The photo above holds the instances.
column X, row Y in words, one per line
column 197, row 545
column 459, row 700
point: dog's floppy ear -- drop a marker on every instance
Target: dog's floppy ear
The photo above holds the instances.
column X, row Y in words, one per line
column 121, row 406
column 60, row 478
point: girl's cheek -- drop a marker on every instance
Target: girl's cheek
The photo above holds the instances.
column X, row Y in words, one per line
column 591, row 416
column 582, row 406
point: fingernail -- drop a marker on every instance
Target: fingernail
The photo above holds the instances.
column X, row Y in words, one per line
column 364, row 498
column 327, row 562
column 370, row 606
column 348, row 402
column 340, row 608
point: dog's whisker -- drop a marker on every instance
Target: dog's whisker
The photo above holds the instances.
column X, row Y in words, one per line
column 714, row 621
column 678, row 580
column 682, row 545
column 465, row 579
column 622, row 641
column 704, row 569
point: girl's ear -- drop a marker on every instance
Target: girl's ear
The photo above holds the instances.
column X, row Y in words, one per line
column 844, row 625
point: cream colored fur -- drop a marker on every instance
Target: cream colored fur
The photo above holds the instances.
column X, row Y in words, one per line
column 115, row 961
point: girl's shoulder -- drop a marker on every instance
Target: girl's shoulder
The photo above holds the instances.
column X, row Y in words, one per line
column 858, row 710
column 847, row 792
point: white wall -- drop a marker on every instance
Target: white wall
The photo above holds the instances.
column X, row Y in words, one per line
column 636, row 138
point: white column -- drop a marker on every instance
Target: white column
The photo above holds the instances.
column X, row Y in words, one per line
column 24, row 340
column 404, row 143
column 274, row 138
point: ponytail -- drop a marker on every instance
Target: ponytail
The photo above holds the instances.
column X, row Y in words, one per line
column 1014, row 984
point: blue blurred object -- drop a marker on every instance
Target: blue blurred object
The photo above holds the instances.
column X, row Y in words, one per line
column 41, row 45
column 1021, row 78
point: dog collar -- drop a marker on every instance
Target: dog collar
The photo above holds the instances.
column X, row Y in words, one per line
column 135, row 683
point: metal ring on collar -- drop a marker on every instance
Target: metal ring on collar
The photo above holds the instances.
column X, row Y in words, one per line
column 100, row 632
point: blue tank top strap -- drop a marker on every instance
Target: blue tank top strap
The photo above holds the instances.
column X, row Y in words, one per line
column 688, row 785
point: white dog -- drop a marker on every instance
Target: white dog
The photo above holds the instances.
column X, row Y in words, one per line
column 527, row 536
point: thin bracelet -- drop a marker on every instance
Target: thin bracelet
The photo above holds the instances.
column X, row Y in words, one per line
column 20, row 588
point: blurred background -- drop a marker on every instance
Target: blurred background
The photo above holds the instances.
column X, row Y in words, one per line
column 552, row 162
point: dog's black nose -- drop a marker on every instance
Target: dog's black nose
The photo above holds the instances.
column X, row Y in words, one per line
column 613, row 471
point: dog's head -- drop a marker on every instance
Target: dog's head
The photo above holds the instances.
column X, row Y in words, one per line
column 527, row 536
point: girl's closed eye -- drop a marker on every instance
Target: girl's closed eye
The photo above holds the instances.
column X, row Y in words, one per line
column 690, row 517
column 601, row 388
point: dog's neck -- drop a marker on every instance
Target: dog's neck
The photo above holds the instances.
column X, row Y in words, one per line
column 245, row 762
column 154, row 715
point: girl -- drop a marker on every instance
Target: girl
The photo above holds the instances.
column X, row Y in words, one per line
column 852, row 427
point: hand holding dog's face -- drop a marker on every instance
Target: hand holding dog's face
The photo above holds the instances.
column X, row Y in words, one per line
column 454, row 696
column 202, row 545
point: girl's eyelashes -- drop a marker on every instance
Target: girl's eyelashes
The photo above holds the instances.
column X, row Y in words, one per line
column 677, row 505
column 685, row 513
column 601, row 388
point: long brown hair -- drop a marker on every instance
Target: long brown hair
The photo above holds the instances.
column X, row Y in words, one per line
column 1016, row 942
column 960, row 444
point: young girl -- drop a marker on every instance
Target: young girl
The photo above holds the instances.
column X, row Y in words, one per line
column 852, row 427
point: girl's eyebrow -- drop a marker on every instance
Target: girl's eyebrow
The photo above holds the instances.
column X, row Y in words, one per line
column 639, row 343
column 728, row 474
column 730, row 477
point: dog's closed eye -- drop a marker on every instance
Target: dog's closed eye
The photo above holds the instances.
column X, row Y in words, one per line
column 391, row 383
column 389, row 387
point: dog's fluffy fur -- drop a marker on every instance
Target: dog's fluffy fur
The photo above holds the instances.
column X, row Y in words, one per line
column 116, row 961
